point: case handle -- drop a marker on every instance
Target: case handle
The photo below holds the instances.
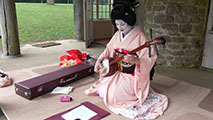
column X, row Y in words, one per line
column 72, row 78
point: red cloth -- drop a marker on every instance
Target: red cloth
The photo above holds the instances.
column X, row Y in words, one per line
column 74, row 57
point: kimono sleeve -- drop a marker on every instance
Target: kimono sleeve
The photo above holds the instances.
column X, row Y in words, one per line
column 142, row 78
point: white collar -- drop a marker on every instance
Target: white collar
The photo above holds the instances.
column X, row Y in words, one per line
column 123, row 38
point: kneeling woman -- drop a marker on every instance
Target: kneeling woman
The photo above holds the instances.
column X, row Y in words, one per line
column 127, row 91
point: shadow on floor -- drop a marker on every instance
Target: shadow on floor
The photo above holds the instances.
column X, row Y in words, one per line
column 2, row 117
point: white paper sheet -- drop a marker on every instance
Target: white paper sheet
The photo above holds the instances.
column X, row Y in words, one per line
column 81, row 112
column 62, row 90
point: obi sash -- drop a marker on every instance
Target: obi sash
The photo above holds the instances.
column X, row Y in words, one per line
column 124, row 66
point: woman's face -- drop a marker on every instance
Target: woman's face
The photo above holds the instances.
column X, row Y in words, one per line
column 123, row 26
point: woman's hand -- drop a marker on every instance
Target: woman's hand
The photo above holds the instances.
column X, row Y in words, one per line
column 131, row 59
column 98, row 66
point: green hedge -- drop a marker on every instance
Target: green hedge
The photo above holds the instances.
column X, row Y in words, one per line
column 45, row 1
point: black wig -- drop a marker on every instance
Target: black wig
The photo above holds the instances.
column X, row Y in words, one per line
column 122, row 9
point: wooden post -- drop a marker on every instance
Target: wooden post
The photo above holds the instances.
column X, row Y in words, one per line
column 88, row 22
column 78, row 19
column 9, row 29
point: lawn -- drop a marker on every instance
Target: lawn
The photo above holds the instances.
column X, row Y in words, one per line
column 41, row 22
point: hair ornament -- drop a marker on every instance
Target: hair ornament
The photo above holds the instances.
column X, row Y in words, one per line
column 135, row 4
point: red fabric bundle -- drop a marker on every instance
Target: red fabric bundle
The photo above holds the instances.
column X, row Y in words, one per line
column 74, row 57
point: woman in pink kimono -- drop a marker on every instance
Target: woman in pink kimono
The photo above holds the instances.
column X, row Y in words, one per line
column 127, row 91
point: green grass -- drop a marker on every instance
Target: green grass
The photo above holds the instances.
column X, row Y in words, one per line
column 41, row 22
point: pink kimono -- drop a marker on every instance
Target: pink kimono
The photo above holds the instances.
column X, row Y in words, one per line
column 122, row 92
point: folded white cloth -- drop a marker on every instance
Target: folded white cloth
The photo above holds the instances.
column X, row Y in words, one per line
column 62, row 90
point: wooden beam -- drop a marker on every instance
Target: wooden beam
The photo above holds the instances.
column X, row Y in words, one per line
column 97, row 9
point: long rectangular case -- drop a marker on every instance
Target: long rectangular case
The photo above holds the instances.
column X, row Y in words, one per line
column 43, row 84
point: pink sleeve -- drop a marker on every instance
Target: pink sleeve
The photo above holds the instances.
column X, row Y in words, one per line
column 142, row 78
